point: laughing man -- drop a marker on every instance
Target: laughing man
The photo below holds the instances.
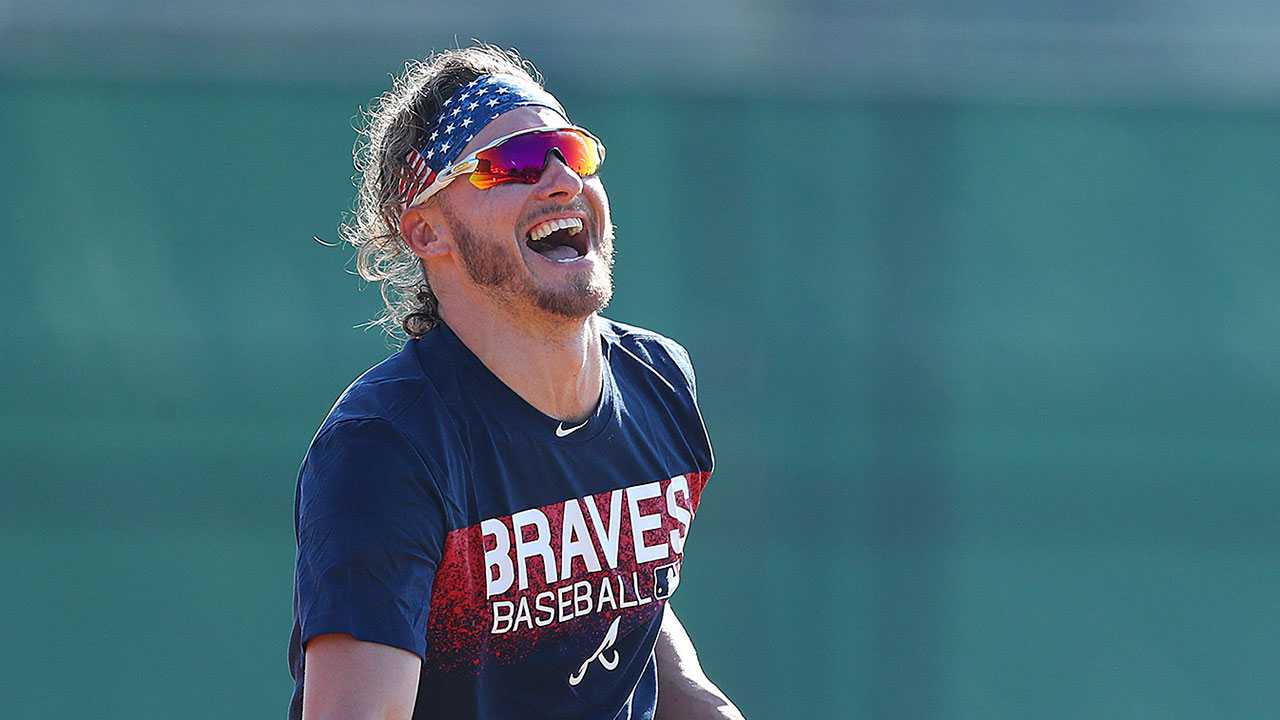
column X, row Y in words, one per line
column 491, row 522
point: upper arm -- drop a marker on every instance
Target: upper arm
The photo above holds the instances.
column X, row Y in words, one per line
column 684, row 691
column 371, row 527
column 677, row 659
column 347, row 679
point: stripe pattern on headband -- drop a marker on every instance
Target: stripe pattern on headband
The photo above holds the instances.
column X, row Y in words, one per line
column 472, row 107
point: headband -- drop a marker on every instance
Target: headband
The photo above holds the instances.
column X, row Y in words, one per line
column 473, row 106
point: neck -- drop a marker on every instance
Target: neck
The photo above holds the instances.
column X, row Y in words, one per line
column 555, row 364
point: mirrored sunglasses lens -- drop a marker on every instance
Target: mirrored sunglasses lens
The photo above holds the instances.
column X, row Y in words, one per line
column 522, row 158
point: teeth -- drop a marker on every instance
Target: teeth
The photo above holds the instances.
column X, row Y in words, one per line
column 574, row 225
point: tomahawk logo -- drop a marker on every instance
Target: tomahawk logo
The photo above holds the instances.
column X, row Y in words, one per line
column 609, row 661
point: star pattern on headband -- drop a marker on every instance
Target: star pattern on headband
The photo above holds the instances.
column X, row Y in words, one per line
column 464, row 114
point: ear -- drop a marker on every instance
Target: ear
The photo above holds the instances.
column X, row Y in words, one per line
column 424, row 235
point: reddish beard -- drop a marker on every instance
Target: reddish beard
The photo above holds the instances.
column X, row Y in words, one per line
column 491, row 266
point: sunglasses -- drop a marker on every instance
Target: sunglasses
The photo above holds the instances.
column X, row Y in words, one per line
column 521, row 157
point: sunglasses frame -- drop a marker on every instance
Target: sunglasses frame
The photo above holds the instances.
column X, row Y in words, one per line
column 471, row 162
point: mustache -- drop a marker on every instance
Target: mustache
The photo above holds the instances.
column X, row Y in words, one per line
column 577, row 205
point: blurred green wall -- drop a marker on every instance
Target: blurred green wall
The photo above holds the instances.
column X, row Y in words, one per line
column 993, row 391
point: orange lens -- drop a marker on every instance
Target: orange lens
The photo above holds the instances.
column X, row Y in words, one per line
column 521, row 159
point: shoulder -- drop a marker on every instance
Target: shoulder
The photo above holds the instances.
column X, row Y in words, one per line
column 388, row 434
column 660, row 353
column 383, row 391
column 654, row 375
column 405, row 399
column 416, row 379
column 367, row 422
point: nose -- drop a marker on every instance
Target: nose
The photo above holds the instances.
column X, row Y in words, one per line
column 558, row 182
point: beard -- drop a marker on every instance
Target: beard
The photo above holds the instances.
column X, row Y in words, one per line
column 491, row 266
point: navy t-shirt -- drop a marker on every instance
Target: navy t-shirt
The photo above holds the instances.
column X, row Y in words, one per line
column 525, row 560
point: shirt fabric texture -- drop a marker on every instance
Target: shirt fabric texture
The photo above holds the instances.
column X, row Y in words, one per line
column 525, row 560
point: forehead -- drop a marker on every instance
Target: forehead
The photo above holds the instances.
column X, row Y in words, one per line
column 525, row 117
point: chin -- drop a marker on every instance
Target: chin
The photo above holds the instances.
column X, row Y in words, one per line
column 578, row 302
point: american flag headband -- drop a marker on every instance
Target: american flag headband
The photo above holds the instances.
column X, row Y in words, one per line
column 472, row 107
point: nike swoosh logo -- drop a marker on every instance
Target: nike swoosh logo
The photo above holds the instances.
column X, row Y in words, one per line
column 562, row 431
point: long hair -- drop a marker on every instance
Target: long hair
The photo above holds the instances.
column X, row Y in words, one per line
column 392, row 125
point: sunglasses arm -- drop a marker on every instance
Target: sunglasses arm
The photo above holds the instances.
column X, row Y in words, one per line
column 459, row 169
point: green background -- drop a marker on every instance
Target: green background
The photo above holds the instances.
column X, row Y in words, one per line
column 993, row 389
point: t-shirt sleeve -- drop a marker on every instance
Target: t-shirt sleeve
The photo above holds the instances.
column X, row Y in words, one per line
column 371, row 528
column 682, row 361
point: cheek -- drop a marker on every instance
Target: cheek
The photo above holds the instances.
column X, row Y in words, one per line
column 499, row 207
column 596, row 195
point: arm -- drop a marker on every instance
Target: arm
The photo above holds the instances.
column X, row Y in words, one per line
column 346, row 679
column 370, row 528
column 684, row 692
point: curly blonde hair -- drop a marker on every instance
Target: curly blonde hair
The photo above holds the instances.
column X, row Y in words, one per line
column 393, row 124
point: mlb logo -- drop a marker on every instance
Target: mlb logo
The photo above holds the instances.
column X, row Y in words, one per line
column 665, row 580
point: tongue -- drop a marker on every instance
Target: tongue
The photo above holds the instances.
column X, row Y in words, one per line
column 559, row 252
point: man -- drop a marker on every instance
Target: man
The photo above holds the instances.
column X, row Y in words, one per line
column 490, row 522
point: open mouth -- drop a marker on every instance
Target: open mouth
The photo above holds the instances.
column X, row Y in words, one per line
column 558, row 240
